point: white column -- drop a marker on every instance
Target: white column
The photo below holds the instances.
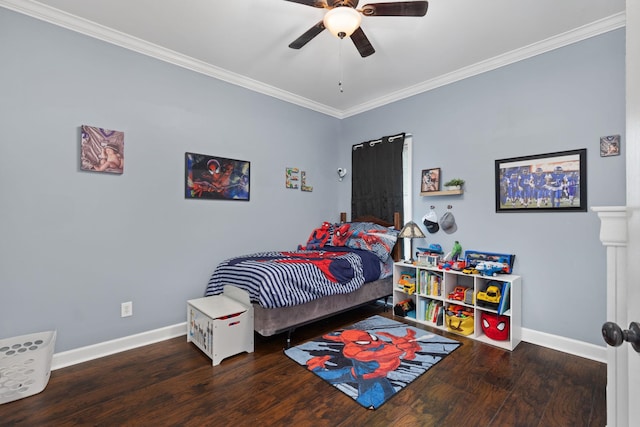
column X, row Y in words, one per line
column 613, row 235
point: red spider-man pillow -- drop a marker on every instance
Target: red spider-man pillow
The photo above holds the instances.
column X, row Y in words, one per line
column 366, row 235
column 319, row 237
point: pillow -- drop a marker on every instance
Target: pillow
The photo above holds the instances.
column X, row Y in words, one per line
column 368, row 236
column 319, row 237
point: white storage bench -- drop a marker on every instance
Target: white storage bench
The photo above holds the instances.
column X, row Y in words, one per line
column 220, row 326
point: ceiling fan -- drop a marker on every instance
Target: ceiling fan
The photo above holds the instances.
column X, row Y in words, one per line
column 343, row 19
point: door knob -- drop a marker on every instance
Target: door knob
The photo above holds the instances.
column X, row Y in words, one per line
column 615, row 336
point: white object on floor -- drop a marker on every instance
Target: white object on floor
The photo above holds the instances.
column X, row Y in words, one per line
column 25, row 365
column 220, row 326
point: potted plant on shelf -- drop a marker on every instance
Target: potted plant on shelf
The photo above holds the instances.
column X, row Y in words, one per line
column 454, row 184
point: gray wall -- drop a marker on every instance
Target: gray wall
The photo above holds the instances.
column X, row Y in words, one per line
column 74, row 244
column 562, row 100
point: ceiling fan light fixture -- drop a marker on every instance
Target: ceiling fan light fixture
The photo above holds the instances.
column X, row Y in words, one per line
column 342, row 21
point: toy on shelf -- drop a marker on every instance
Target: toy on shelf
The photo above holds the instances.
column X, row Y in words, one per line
column 459, row 311
column 407, row 283
column 430, row 256
column 455, row 253
column 459, row 319
column 505, row 261
column 458, row 293
column 458, row 265
column 491, row 268
column 489, row 298
column 452, row 260
column 495, row 326
column 452, row 265
column 406, row 308
column 470, row 270
column 462, row 293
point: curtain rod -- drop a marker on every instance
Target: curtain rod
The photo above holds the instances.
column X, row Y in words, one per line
column 376, row 141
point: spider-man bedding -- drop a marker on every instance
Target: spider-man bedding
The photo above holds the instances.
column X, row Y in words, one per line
column 338, row 259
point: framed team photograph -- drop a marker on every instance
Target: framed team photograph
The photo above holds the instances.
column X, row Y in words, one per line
column 553, row 182
column 430, row 180
column 218, row 178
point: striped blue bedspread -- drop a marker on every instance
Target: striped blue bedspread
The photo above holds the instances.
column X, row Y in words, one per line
column 283, row 279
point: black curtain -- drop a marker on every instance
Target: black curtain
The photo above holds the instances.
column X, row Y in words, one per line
column 376, row 180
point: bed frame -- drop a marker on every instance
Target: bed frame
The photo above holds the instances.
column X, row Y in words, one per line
column 272, row 321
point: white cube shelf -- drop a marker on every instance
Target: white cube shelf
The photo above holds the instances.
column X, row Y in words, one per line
column 441, row 289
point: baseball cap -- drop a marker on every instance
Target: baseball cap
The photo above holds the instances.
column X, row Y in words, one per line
column 430, row 221
column 448, row 223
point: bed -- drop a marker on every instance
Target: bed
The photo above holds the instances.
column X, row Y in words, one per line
column 286, row 292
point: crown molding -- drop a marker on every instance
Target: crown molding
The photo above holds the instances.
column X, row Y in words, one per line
column 601, row 26
column 109, row 35
column 91, row 29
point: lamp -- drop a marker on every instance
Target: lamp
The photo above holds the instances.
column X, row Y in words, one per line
column 342, row 21
column 411, row 231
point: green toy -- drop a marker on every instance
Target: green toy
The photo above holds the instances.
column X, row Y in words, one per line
column 456, row 251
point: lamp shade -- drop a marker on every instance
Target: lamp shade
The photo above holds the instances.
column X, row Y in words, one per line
column 342, row 21
column 411, row 230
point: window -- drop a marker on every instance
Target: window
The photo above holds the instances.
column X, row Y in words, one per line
column 407, row 188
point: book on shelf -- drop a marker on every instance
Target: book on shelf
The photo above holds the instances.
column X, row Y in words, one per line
column 504, row 304
column 432, row 311
column 435, row 283
column 436, row 312
column 423, row 306
column 424, row 278
column 440, row 318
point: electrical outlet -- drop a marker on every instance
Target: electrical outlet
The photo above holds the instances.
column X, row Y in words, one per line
column 126, row 309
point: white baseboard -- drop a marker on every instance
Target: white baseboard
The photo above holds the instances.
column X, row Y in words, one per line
column 91, row 352
column 566, row 345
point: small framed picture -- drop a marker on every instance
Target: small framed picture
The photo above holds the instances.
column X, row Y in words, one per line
column 102, row 150
column 610, row 146
column 430, row 180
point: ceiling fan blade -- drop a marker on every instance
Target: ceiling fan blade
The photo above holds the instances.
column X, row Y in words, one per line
column 402, row 8
column 313, row 3
column 362, row 43
column 307, row 36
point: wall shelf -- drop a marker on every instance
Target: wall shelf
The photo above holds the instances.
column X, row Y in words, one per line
column 441, row 193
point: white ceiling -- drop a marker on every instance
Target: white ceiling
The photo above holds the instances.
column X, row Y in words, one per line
column 245, row 42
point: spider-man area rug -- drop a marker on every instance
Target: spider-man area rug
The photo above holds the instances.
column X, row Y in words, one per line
column 373, row 359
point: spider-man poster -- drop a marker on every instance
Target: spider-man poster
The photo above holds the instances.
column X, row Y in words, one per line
column 209, row 177
column 373, row 359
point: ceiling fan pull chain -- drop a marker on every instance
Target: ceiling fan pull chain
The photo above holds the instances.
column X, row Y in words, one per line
column 340, row 88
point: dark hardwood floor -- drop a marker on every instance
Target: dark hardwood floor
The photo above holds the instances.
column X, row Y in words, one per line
column 173, row 384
